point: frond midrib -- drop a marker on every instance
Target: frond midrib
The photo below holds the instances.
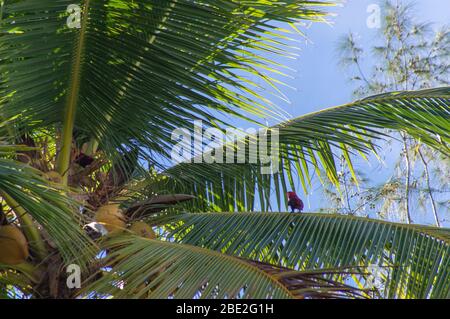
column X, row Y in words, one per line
column 72, row 97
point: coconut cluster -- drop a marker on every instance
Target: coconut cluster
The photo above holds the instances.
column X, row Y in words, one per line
column 111, row 217
column 143, row 229
column 114, row 221
column 13, row 245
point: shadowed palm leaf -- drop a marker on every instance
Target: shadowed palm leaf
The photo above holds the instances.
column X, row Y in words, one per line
column 153, row 269
column 181, row 271
column 314, row 284
column 417, row 257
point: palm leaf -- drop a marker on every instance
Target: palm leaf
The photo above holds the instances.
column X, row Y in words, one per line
column 168, row 270
column 179, row 271
column 314, row 284
column 133, row 72
column 49, row 207
column 155, row 204
column 417, row 257
column 308, row 145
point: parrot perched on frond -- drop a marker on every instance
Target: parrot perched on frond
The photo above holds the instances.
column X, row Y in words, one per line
column 294, row 202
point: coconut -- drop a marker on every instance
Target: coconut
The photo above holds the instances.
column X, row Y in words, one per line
column 54, row 177
column 111, row 218
column 143, row 229
column 13, row 245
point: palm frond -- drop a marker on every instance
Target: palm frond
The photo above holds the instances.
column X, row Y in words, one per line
column 316, row 284
column 155, row 269
column 133, row 72
column 417, row 257
column 155, row 204
column 309, row 145
column 168, row 270
column 49, row 207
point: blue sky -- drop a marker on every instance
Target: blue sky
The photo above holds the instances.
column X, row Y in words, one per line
column 319, row 81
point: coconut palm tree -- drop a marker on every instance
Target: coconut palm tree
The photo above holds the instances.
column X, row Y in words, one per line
column 89, row 98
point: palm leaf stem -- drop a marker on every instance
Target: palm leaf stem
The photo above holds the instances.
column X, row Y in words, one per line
column 72, row 101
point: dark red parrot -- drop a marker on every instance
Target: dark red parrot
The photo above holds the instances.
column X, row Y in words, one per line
column 294, row 202
column 84, row 160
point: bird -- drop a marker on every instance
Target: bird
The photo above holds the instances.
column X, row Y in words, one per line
column 84, row 160
column 294, row 202
column 95, row 230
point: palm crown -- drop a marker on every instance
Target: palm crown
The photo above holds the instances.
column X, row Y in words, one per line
column 114, row 89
